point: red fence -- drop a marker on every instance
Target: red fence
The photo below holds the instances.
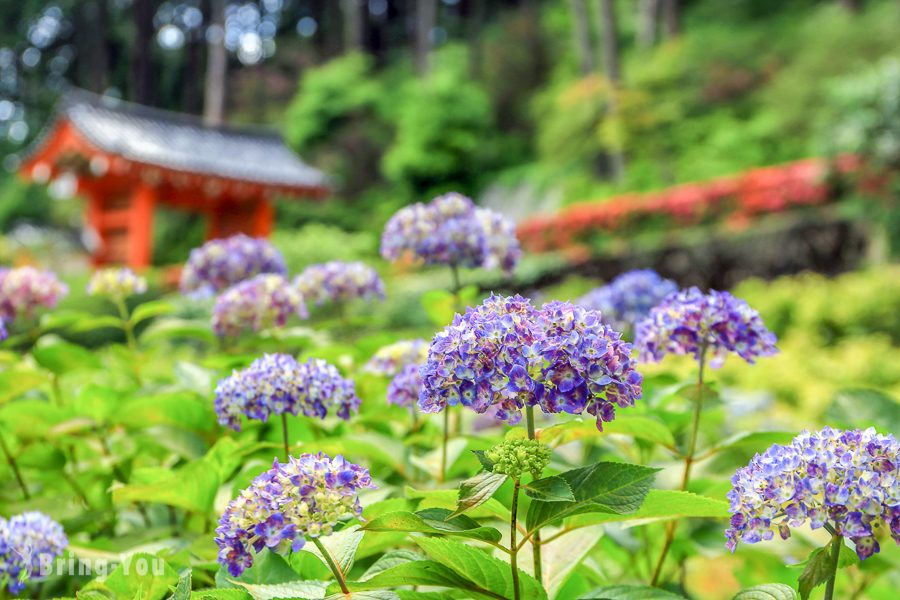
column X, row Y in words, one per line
column 735, row 200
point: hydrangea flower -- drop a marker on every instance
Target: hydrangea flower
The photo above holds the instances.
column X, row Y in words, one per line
column 257, row 303
column 689, row 321
column 28, row 543
column 278, row 384
column 404, row 388
column 629, row 297
column 219, row 264
column 450, row 230
column 116, row 283
column 393, row 358
column 847, row 479
column 284, row 506
column 337, row 282
column 507, row 354
column 24, row 290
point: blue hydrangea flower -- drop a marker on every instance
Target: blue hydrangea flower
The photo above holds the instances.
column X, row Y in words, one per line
column 405, row 387
column 258, row 303
column 688, row 320
column 337, row 282
column 116, row 283
column 450, row 230
column 29, row 542
column 219, row 264
column 847, row 479
column 25, row 290
column 393, row 358
column 288, row 504
column 278, row 384
column 628, row 298
column 507, row 354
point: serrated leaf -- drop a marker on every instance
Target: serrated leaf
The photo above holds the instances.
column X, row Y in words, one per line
column 550, row 489
column 221, row 594
column 659, row 505
column 477, row 490
column 609, row 487
column 630, row 592
column 767, row 591
column 479, row 568
column 389, row 560
column 297, row 590
column 370, row 595
column 817, row 569
column 341, row 545
column 486, row 463
column 436, row 521
column 650, row 429
column 448, row 499
column 143, row 576
column 420, row 572
column 183, row 589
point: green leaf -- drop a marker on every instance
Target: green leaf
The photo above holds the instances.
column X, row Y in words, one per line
column 448, row 499
column 436, row 521
column 268, row 568
column 389, row 560
column 767, row 591
column 371, row 595
column 183, row 589
column 650, row 429
column 477, row 490
column 142, row 576
column 486, row 463
column 477, row 567
column 93, row 322
column 630, row 592
column 817, row 568
column 440, row 306
column 659, row 505
column 550, row 489
column 297, row 590
column 563, row 555
column 147, row 310
column 431, row 462
column 341, row 545
column 221, row 594
column 420, row 572
column 864, row 408
column 617, row 488
column 753, row 440
column 178, row 329
column 63, row 357
column 177, row 409
column 14, row 383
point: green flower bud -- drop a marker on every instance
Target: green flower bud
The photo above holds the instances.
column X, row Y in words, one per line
column 515, row 457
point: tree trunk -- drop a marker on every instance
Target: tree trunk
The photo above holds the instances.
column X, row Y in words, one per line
column 141, row 65
column 606, row 15
column 216, row 67
column 648, row 16
column 672, row 17
column 353, row 24
column 193, row 73
column 582, row 36
column 426, row 18
column 92, row 24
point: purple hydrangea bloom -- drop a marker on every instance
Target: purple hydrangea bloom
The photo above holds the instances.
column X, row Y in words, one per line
column 450, row 230
column 507, row 354
column 29, row 542
column 405, row 387
column 689, row 321
column 337, row 282
column 24, row 290
column 303, row 498
column 258, row 303
column 219, row 264
column 278, row 384
column 846, row 479
column 629, row 297
column 393, row 358
column 116, row 283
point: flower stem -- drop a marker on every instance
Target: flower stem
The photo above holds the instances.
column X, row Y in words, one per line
column 536, row 537
column 836, row 542
column 688, row 463
column 284, row 432
column 338, row 574
column 128, row 327
column 443, row 474
column 454, row 272
column 11, row 461
column 513, row 549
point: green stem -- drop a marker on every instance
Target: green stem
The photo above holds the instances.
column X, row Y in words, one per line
column 688, row 463
column 443, row 474
column 338, row 574
column 284, row 431
column 11, row 461
column 120, row 475
column 128, row 327
column 514, row 551
column 536, row 537
column 454, row 272
column 836, row 542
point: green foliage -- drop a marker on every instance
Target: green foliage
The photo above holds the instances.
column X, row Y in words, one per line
column 316, row 243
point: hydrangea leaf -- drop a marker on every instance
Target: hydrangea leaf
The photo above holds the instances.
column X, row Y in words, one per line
column 477, row 490
column 863, row 408
column 15, row 382
column 150, row 575
column 63, row 357
column 630, row 592
column 268, row 568
column 817, row 568
column 178, row 329
column 418, row 572
column 341, row 545
column 147, row 310
column 437, row 521
column 486, row 463
column 550, row 489
column 659, row 505
column 92, row 322
column 767, row 591
column 563, row 555
column 617, row 488
column 389, row 560
column 431, row 462
column 448, row 499
column 296, row 590
column 221, row 594
column 183, row 589
column 752, row 440
column 636, row 426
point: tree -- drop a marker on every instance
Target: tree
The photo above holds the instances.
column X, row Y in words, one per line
column 606, row 15
column 354, row 20
column 426, row 18
column 648, row 17
column 142, row 80
column 216, row 66
column 672, row 17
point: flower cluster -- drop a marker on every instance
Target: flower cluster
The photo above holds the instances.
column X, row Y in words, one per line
column 691, row 322
column 303, row 498
column 405, row 387
column 116, row 283
column 508, row 354
column 278, row 384
column 27, row 543
column 258, row 303
column 219, row 264
column 337, row 282
column 393, row 358
column 846, row 479
column 515, row 457
column 629, row 297
column 450, row 230
column 24, row 290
